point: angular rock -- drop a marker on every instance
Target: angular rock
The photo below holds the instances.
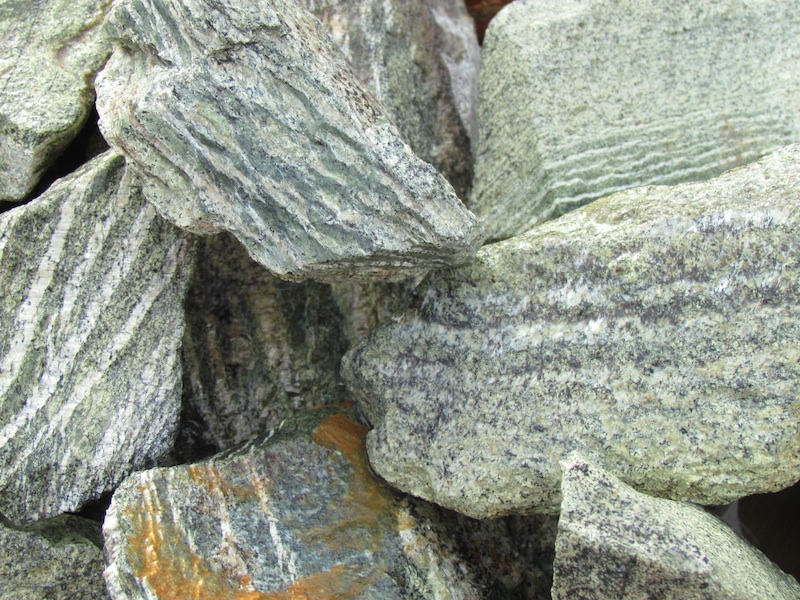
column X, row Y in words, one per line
column 614, row 542
column 297, row 512
column 579, row 100
column 91, row 320
column 49, row 55
column 655, row 331
column 245, row 117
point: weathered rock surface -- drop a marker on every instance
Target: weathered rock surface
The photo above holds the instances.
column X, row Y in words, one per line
column 655, row 331
column 295, row 513
column 579, row 100
column 247, row 118
column 55, row 559
column 50, row 52
column 91, row 320
column 614, row 542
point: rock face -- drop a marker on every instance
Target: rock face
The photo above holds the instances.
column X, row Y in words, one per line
column 614, row 542
column 250, row 115
column 295, row 514
column 49, row 55
column 91, row 319
column 579, row 100
column 655, row 331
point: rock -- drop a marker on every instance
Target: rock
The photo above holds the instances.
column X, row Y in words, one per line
column 55, row 559
column 579, row 100
column 295, row 513
column 48, row 58
column 614, row 542
column 655, row 331
column 251, row 116
column 91, row 319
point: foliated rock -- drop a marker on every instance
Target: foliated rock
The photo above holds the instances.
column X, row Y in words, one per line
column 91, row 319
column 294, row 514
column 581, row 99
column 614, row 542
column 655, row 331
column 245, row 117
column 50, row 52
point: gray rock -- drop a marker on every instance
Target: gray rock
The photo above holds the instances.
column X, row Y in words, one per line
column 297, row 513
column 249, row 114
column 91, row 319
column 614, row 542
column 655, row 330
column 581, row 99
column 49, row 55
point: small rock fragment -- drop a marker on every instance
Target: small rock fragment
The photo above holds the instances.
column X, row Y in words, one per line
column 614, row 542
column 655, row 330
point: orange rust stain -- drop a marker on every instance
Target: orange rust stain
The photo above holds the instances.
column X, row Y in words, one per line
column 339, row 432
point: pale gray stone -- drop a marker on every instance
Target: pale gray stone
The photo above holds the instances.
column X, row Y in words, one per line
column 655, row 330
column 246, row 118
column 49, row 54
column 614, row 542
column 583, row 98
column 91, row 319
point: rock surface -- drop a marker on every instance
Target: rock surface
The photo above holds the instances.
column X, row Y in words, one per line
column 249, row 114
column 50, row 52
column 295, row 514
column 581, row 99
column 614, row 542
column 655, row 331
column 91, row 320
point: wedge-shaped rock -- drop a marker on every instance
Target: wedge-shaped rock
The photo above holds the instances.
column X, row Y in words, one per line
column 614, row 542
column 90, row 327
column 582, row 99
column 245, row 117
column 655, row 330
column 295, row 514
column 50, row 52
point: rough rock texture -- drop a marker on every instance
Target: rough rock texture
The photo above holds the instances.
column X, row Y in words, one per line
column 56, row 559
column 247, row 118
column 655, row 330
column 614, row 542
column 91, row 319
column 581, row 99
column 295, row 514
column 49, row 54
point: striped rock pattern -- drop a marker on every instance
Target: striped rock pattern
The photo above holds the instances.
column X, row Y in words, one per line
column 296, row 514
column 91, row 320
column 249, row 114
column 582, row 99
column 50, row 52
column 656, row 331
column 614, row 542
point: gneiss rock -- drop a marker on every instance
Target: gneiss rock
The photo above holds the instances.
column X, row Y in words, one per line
column 49, row 55
column 582, row 99
column 295, row 514
column 614, row 542
column 655, row 330
column 91, row 320
column 245, row 117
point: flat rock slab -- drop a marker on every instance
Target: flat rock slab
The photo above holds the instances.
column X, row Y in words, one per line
column 582, row 99
column 50, row 52
column 91, row 319
column 614, row 542
column 655, row 331
column 295, row 514
column 245, row 117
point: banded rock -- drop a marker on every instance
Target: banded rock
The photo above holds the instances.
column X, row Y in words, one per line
column 614, row 542
column 655, row 331
column 582, row 99
column 249, row 114
column 91, row 319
